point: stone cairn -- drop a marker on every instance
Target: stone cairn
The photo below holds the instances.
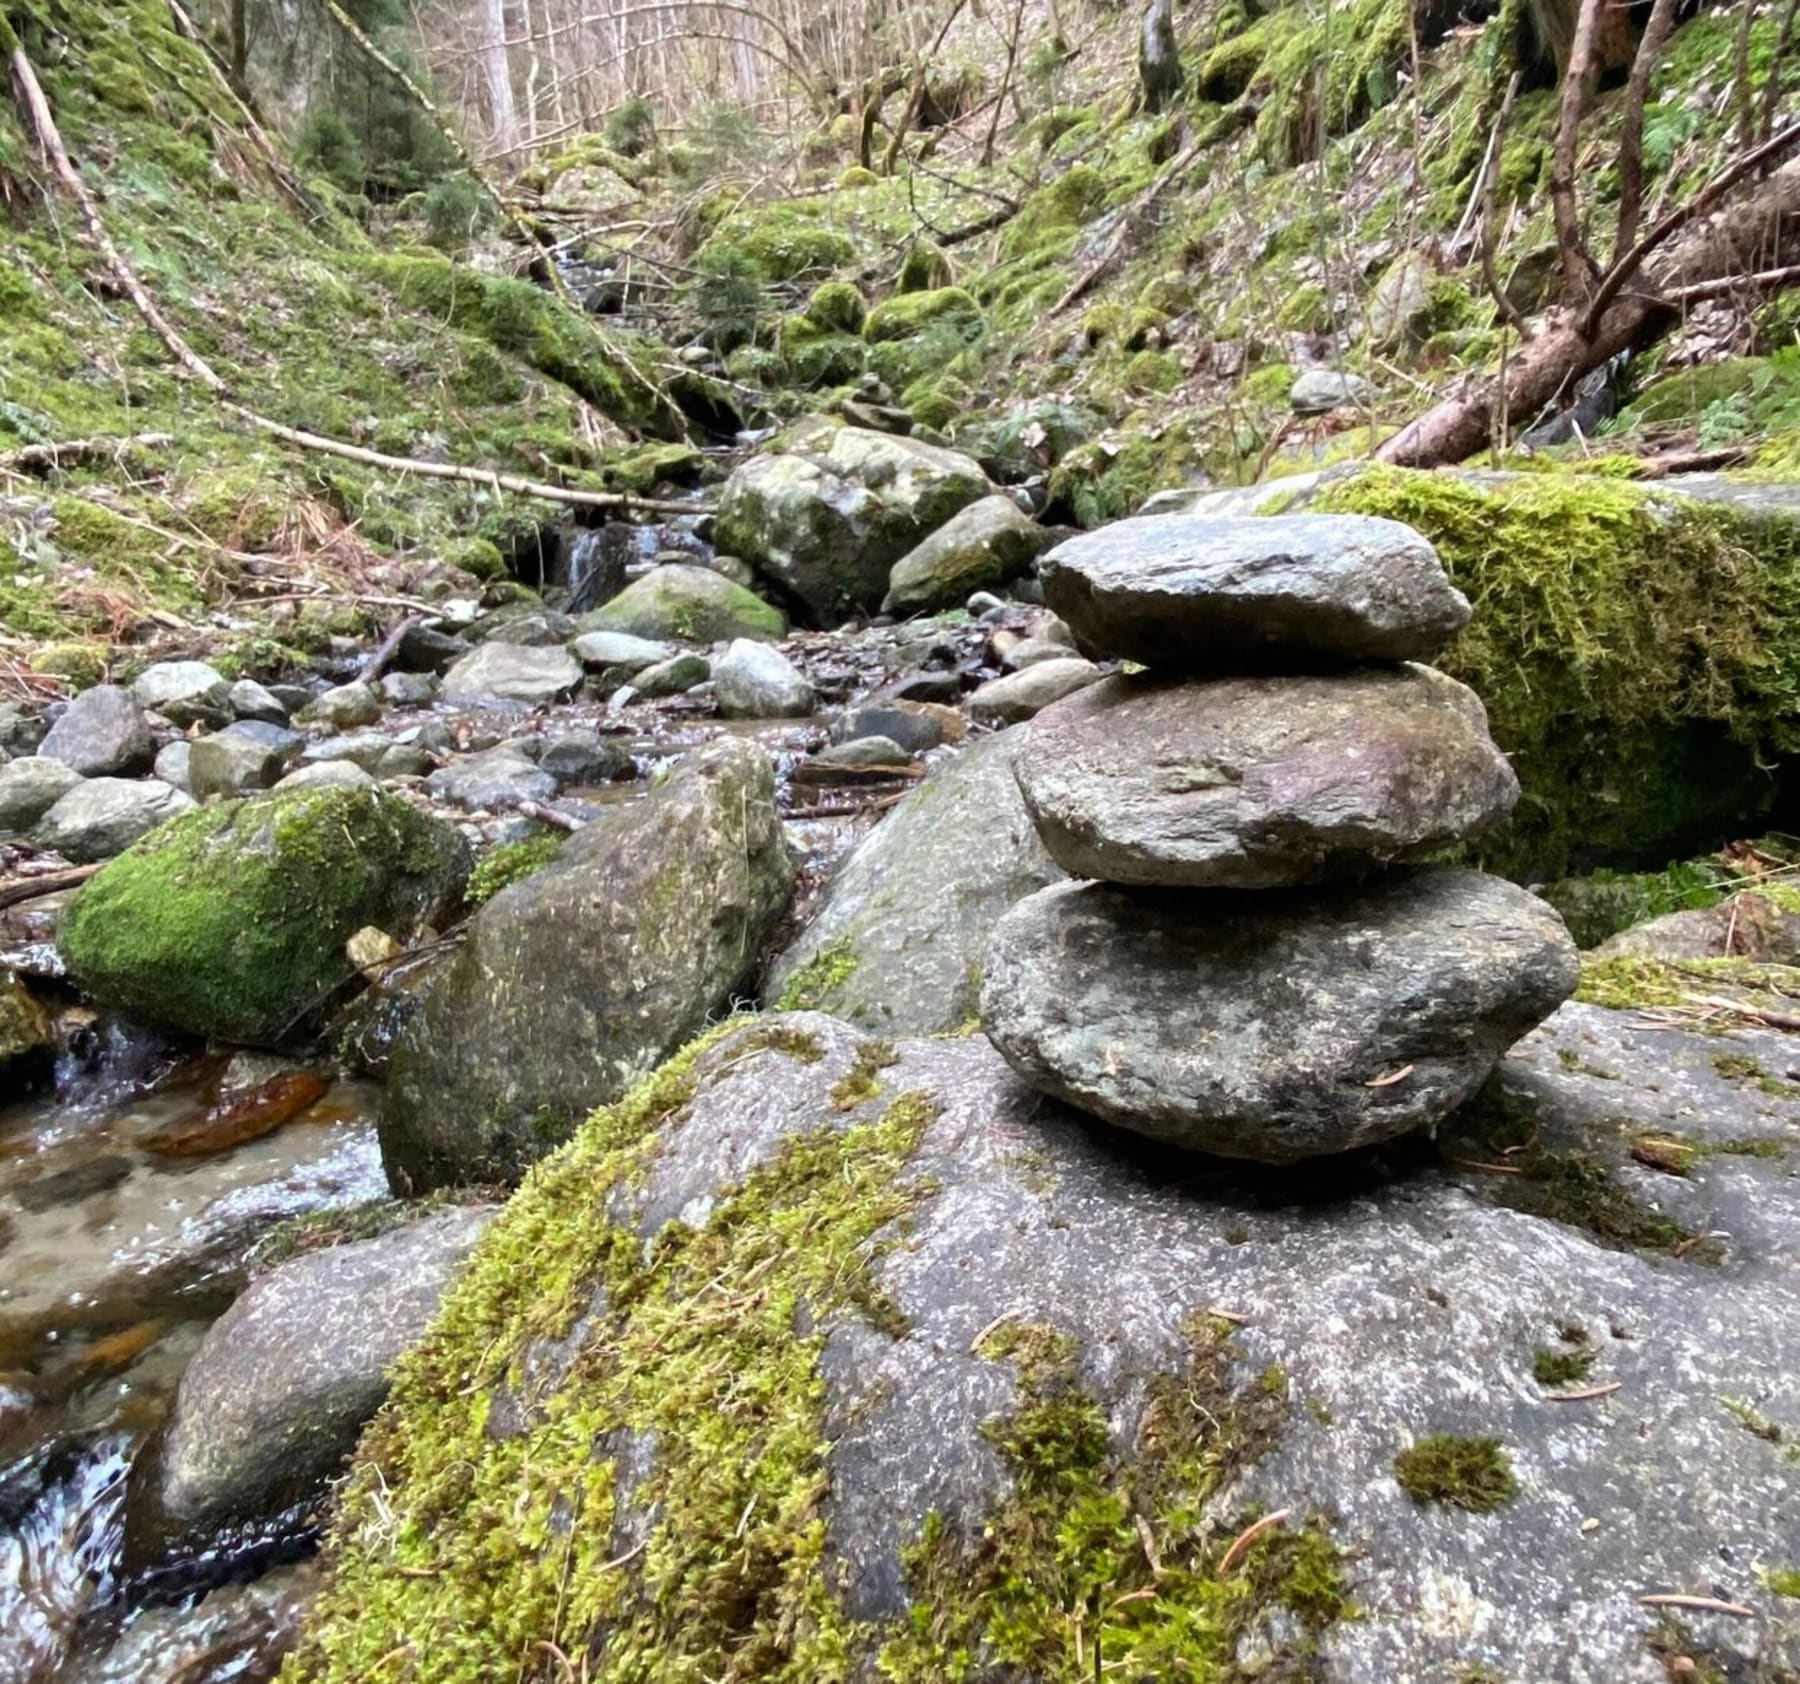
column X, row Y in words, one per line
column 1247, row 963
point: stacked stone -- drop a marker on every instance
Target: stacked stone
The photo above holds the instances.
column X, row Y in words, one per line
column 1248, row 963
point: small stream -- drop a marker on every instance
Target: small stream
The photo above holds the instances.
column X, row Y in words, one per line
column 116, row 1254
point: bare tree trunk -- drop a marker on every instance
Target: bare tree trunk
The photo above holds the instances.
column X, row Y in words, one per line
column 1159, row 59
column 1759, row 233
column 240, row 45
column 503, row 116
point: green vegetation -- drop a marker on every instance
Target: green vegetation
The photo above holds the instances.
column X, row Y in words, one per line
column 1562, row 1367
column 511, row 863
column 231, row 920
column 811, row 987
column 1466, row 1473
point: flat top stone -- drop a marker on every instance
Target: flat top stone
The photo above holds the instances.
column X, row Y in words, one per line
column 1190, row 593
column 1260, row 782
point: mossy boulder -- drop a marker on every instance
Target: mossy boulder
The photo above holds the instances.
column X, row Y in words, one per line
column 814, row 354
column 909, row 313
column 925, row 268
column 820, row 1357
column 838, row 307
column 990, row 543
column 572, row 983
column 230, row 921
column 826, row 518
column 693, row 603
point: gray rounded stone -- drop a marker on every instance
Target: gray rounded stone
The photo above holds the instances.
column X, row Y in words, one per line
column 1275, row 1026
column 104, row 816
column 753, row 681
column 184, row 692
column 513, row 672
column 30, row 787
column 102, row 733
column 1258, row 783
column 1020, row 695
column 1192, row 593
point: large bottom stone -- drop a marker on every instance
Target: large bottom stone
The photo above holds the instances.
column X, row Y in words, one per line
column 1273, row 1026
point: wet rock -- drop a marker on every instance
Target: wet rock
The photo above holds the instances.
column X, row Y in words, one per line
column 20, row 731
column 617, row 655
column 986, row 545
column 865, row 751
column 497, row 779
column 673, row 677
column 104, row 816
column 1743, row 926
column 687, row 604
column 344, row 707
column 360, row 748
column 1320, row 390
column 573, row 981
column 1031, row 651
column 1019, row 695
column 428, row 648
column 30, row 787
column 898, row 940
column 185, row 693
column 945, row 687
column 232, row 922
column 250, row 700
column 826, row 518
column 913, row 728
column 585, row 757
column 101, row 733
column 171, row 764
column 536, row 628
column 244, row 757
column 326, row 774
column 1031, row 1332
column 513, row 672
column 753, row 681
column 409, row 689
column 1258, row 783
column 85, row 1180
column 1276, row 1026
column 276, row 1395
column 1192, row 593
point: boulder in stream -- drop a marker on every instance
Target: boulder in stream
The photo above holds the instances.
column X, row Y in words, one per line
column 683, row 604
column 826, row 517
column 231, row 921
column 570, row 984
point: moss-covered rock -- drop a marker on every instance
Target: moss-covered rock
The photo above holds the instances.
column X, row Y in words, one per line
column 988, row 544
column 838, row 307
column 827, row 517
column 24, row 1035
column 574, row 981
column 230, row 921
column 691, row 603
column 814, row 355
column 909, row 313
column 925, row 268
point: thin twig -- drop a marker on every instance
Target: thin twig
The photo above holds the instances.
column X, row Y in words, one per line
column 1248, row 1536
column 1699, row 1604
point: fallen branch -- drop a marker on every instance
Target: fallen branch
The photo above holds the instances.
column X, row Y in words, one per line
column 1740, row 239
column 1586, row 1393
column 1755, row 1014
column 550, row 816
column 387, row 649
column 35, row 458
column 49, row 138
column 1699, row 1604
column 12, row 894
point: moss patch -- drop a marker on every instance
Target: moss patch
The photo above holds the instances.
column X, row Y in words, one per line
column 511, row 863
column 481, row 1521
column 230, row 921
column 810, row 987
column 1467, row 1473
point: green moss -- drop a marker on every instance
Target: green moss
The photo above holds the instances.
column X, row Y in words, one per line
column 925, row 268
column 77, row 664
column 1051, row 216
column 1099, row 1560
column 690, row 1350
column 817, row 356
column 1562, row 1367
column 1588, row 596
column 1605, row 902
column 860, row 1084
column 1467, row 1473
column 511, row 863
column 1783, row 1581
column 811, row 987
column 909, row 313
column 1151, row 371
column 838, row 307
column 1109, row 477
column 231, row 920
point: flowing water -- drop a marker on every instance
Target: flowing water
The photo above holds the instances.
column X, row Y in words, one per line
column 121, row 1239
